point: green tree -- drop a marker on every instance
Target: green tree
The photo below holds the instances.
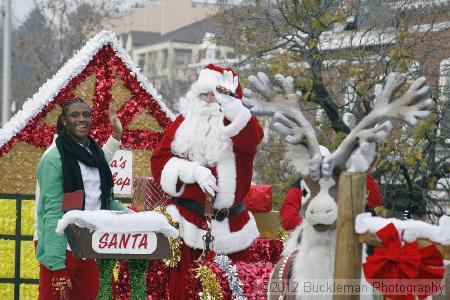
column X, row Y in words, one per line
column 271, row 165
column 337, row 51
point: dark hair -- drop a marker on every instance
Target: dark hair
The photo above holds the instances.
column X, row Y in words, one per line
column 59, row 124
column 66, row 105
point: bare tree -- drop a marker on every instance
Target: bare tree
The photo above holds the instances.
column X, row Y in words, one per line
column 50, row 35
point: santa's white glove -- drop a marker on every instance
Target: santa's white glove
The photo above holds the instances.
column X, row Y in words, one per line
column 206, row 180
column 228, row 81
column 230, row 106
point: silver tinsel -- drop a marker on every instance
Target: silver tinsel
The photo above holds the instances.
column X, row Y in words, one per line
column 224, row 264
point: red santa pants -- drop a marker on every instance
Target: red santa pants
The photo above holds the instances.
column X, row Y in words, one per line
column 83, row 274
column 177, row 276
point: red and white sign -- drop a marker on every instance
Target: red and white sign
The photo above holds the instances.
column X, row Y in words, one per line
column 138, row 242
column 122, row 171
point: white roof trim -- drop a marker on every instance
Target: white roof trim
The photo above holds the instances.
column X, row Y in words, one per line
column 48, row 91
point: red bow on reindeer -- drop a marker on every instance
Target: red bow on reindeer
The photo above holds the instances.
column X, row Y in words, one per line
column 401, row 271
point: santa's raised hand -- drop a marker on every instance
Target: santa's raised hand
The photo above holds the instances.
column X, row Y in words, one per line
column 229, row 82
column 115, row 122
column 230, row 106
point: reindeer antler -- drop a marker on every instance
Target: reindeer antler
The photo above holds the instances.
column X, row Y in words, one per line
column 290, row 121
column 410, row 107
column 274, row 101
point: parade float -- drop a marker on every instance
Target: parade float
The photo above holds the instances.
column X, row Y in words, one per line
column 134, row 257
column 409, row 255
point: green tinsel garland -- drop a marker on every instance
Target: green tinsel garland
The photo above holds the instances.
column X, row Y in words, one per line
column 138, row 274
column 106, row 268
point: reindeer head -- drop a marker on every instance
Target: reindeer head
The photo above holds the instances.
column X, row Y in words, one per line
column 355, row 153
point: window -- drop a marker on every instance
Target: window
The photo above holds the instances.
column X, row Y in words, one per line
column 444, row 97
column 320, row 117
column 141, row 61
column 151, row 59
column 350, row 98
column 165, row 58
column 183, row 56
column 201, row 54
column 444, row 80
column 231, row 55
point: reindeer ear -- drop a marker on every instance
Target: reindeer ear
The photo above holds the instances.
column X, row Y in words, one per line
column 297, row 157
column 306, row 192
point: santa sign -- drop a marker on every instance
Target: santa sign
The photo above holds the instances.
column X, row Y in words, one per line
column 144, row 242
column 122, row 170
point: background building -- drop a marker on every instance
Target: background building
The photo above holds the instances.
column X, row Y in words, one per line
column 171, row 41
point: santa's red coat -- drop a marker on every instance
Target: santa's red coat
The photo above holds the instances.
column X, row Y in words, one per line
column 233, row 173
column 291, row 206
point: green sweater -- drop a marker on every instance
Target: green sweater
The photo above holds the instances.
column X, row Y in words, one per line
column 51, row 250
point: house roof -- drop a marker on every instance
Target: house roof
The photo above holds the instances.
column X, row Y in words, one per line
column 139, row 38
column 192, row 34
column 75, row 66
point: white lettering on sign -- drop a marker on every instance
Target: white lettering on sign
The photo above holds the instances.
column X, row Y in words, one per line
column 139, row 242
column 122, row 170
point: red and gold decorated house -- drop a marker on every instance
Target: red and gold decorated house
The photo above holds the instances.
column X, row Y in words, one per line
column 103, row 74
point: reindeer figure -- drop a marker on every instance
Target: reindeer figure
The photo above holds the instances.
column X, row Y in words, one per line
column 310, row 251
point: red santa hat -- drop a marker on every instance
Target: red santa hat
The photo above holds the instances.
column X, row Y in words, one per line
column 208, row 80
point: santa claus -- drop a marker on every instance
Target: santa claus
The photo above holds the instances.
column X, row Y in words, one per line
column 207, row 155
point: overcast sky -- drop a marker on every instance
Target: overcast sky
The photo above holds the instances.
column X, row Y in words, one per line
column 22, row 7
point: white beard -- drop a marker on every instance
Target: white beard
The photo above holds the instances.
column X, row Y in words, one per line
column 199, row 138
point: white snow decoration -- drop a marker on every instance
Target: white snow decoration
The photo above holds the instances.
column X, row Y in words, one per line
column 412, row 229
column 116, row 221
column 48, row 91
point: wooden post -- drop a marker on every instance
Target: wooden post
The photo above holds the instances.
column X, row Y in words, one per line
column 351, row 200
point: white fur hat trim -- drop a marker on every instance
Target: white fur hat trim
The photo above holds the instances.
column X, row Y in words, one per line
column 207, row 81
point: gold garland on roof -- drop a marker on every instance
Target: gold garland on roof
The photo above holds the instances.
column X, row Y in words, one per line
column 210, row 284
column 174, row 243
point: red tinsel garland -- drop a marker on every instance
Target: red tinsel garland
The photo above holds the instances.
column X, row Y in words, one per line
column 251, row 274
column 157, row 279
column 264, row 254
column 266, row 250
column 104, row 64
column 194, row 286
column 122, row 289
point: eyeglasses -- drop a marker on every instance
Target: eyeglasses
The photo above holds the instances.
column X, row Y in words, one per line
column 207, row 95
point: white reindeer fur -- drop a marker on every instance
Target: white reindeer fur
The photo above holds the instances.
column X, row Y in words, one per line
column 315, row 258
column 316, row 251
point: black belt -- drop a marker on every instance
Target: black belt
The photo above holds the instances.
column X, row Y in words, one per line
column 218, row 214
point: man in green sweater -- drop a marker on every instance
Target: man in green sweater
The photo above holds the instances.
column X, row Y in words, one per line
column 76, row 163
